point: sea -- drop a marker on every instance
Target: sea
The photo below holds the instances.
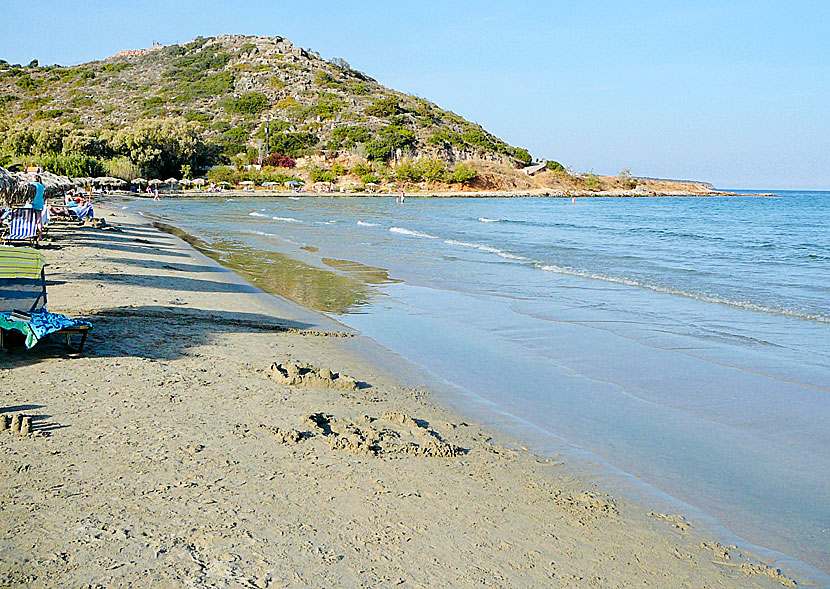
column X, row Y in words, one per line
column 677, row 345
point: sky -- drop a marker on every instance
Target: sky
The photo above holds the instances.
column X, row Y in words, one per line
column 733, row 92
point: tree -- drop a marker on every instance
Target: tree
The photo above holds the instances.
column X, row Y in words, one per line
column 626, row 179
column 162, row 147
column 555, row 166
column 340, row 64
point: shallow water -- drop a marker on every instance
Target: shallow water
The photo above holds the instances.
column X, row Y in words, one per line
column 685, row 341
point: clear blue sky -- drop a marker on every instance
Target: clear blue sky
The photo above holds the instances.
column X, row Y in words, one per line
column 733, row 92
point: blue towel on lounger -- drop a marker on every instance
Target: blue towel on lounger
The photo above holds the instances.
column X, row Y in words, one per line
column 43, row 323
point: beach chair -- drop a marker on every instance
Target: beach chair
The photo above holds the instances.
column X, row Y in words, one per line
column 23, row 225
column 75, row 213
column 23, row 301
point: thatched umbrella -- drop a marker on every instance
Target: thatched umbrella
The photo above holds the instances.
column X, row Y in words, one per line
column 53, row 184
column 171, row 181
column 155, row 182
column 13, row 191
column 186, row 182
column 247, row 183
column 139, row 181
column 199, row 182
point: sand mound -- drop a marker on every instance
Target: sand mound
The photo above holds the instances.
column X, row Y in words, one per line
column 391, row 434
column 303, row 374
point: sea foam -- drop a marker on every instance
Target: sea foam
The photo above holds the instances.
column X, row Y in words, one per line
column 403, row 231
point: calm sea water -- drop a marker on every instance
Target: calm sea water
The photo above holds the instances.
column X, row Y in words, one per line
column 684, row 341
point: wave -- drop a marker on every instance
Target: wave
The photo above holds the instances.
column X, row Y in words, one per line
column 284, row 219
column 294, row 198
column 488, row 249
column 707, row 298
column 403, row 231
column 486, row 220
column 366, row 224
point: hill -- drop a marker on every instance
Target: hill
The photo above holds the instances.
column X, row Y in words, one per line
column 233, row 100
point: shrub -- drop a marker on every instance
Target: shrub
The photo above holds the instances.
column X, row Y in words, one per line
column 248, row 104
column 114, row 68
column 388, row 140
column 195, row 115
column 349, row 136
column 384, row 107
column 555, row 167
column 592, row 181
column 287, row 103
column 421, row 169
column 462, row 174
column 51, row 114
column 293, row 144
column 320, row 175
column 359, row 88
column 210, row 85
column 520, row 154
column 361, row 169
column 326, row 80
column 26, row 83
column 8, row 98
column 338, row 170
column 277, row 160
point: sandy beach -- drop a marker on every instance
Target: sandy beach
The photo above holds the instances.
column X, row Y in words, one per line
column 211, row 435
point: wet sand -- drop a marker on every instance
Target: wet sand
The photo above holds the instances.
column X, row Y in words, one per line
column 212, row 435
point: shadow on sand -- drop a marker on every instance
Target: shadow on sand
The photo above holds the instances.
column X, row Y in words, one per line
column 153, row 332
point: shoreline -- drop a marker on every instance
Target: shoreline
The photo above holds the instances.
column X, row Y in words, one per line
column 527, row 517
column 459, row 194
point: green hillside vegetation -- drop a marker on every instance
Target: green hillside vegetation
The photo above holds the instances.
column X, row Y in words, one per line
column 224, row 101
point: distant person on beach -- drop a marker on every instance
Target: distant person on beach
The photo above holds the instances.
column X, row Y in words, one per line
column 401, row 195
column 156, row 194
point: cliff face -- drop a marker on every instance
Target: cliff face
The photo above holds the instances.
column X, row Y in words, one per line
column 243, row 91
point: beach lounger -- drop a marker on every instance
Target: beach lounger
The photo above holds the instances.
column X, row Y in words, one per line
column 75, row 213
column 23, row 301
column 22, row 227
